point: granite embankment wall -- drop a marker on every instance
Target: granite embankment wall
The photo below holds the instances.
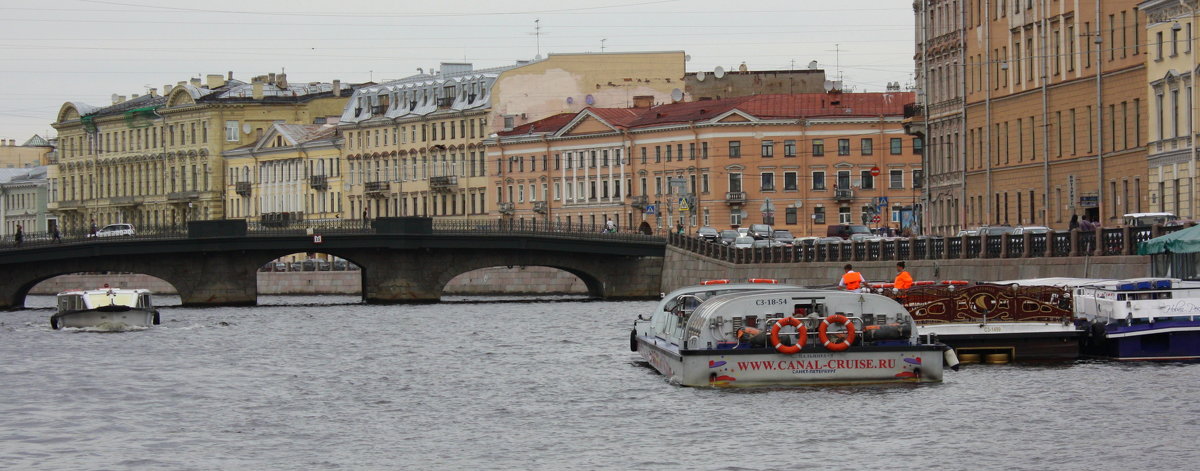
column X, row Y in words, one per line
column 489, row 281
column 682, row 268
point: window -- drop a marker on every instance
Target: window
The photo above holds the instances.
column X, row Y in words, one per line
column 768, row 148
column 704, row 183
column 692, row 151
column 789, row 181
column 703, row 150
column 896, row 145
column 868, row 146
column 897, row 179
column 818, row 215
column 735, row 182
column 657, row 154
column 818, row 146
column 818, row 180
column 789, row 216
column 867, row 181
column 844, row 215
column 735, row 149
column 669, row 153
column 231, row 131
column 768, row 181
column 789, row 148
column 843, row 147
column 918, row 178
column 919, row 145
column 643, row 155
column 843, row 179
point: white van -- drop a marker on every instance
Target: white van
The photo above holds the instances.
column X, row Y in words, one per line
column 1148, row 219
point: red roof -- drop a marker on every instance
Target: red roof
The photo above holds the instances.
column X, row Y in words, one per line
column 782, row 106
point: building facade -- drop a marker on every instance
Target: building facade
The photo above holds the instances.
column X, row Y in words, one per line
column 34, row 152
column 800, row 162
column 292, row 173
column 939, row 114
column 156, row 160
column 1170, row 65
column 23, row 200
column 1056, row 111
column 413, row 146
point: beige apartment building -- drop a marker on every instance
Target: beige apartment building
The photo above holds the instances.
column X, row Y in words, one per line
column 35, row 151
column 292, row 173
column 413, row 146
column 938, row 116
column 1056, row 111
column 156, row 160
column 800, row 162
column 1170, row 58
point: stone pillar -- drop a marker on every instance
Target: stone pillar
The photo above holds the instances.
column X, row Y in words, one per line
column 1003, row 245
column 1127, row 243
column 983, row 246
column 1049, row 252
column 1026, row 239
column 1074, row 243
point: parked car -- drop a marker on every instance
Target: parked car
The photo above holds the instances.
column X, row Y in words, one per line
column 727, row 236
column 784, row 237
column 992, row 231
column 967, row 232
column 1146, row 219
column 760, row 231
column 744, row 231
column 340, row 265
column 864, row 237
column 845, row 230
column 743, row 242
column 115, row 230
column 1030, row 230
column 804, row 241
column 708, row 234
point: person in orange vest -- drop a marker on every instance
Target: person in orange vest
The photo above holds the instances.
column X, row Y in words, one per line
column 852, row 280
column 903, row 279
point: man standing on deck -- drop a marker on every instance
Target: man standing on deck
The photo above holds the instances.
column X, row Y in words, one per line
column 851, row 280
column 903, row 279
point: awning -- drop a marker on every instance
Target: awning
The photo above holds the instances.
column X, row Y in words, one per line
column 1181, row 241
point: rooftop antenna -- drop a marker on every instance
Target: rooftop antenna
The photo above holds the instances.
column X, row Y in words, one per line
column 537, row 34
column 602, row 44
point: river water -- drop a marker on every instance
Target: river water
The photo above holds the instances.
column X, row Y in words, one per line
column 530, row 385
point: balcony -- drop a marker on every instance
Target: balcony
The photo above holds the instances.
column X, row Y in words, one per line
column 843, row 194
column 540, row 207
column 319, row 182
column 639, row 202
column 507, row 208
column 735, row 197
column 242, row 188
column 446, row 184
column 377, row 189
column 446, row 102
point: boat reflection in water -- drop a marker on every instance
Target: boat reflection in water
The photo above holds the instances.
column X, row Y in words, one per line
column 759, row 334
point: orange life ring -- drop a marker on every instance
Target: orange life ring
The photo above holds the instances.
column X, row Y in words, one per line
column 801, row 335
column 713, row 282
column 771, row 281
column 824, row 337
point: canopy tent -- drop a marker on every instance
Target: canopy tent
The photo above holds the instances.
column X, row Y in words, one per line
column 1181, row 241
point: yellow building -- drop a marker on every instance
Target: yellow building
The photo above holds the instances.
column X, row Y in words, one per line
column 413, row 146
column 291, row 173
column 34, row 152
column 1171, row 151
column 800, row 162
column 156, row 160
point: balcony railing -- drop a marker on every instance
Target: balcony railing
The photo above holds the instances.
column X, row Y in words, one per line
column 639, row 202
column 843, row 194
column 242, row 188
column 507, row 208
column 443, row 184
column 319, row 182
column 376, row 188
column 540, row 207
column 735, row 197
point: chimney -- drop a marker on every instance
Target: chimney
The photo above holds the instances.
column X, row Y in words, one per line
column 133, row 96
column 195, row 81
column 153, row 92
column 230, row 76
column 215, row 81
column 281, row 81
column 258, row 90
column 167, row 89
column 271, row 77
column 337, row 88
column 643, row 101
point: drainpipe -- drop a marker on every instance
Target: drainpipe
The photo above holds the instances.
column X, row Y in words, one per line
column 987, row 110
column 925, row 213
column 1099, row 116
column 548, row 198
column 1045, row 124
column 961, row 158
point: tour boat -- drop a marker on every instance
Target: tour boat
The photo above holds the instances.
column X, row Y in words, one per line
column 742, row 335
column 1140, row 318
column 105, row 308
column 993, row 322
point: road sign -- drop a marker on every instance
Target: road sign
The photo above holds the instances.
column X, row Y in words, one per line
column 651, row 209
column 874, row 171
column 317, row 239
column 683, row 204
column 875, row 219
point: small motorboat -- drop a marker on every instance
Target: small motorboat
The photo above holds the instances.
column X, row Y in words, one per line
column 747, row 335
column 1138, row 318
column 106, row 308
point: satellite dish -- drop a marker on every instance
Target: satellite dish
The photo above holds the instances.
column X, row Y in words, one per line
column 813, row 65
column 742, row 68
column 719, row 72
column 590, row 100
column 700, row 76
column 828, row 85
column 570, row 100
column 246, row 128
column 676, row 95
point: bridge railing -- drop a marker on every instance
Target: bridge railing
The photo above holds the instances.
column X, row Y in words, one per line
column 1103, row 242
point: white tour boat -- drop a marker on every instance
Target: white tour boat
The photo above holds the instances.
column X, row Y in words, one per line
column 105, row 308
column 744, row 335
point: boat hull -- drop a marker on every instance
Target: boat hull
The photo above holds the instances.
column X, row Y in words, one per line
column 1019, row 341
column 107, row 318
column 1164, row 340
column 757, row 367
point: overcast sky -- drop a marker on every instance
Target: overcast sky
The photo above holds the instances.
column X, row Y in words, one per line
column 86, row 50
